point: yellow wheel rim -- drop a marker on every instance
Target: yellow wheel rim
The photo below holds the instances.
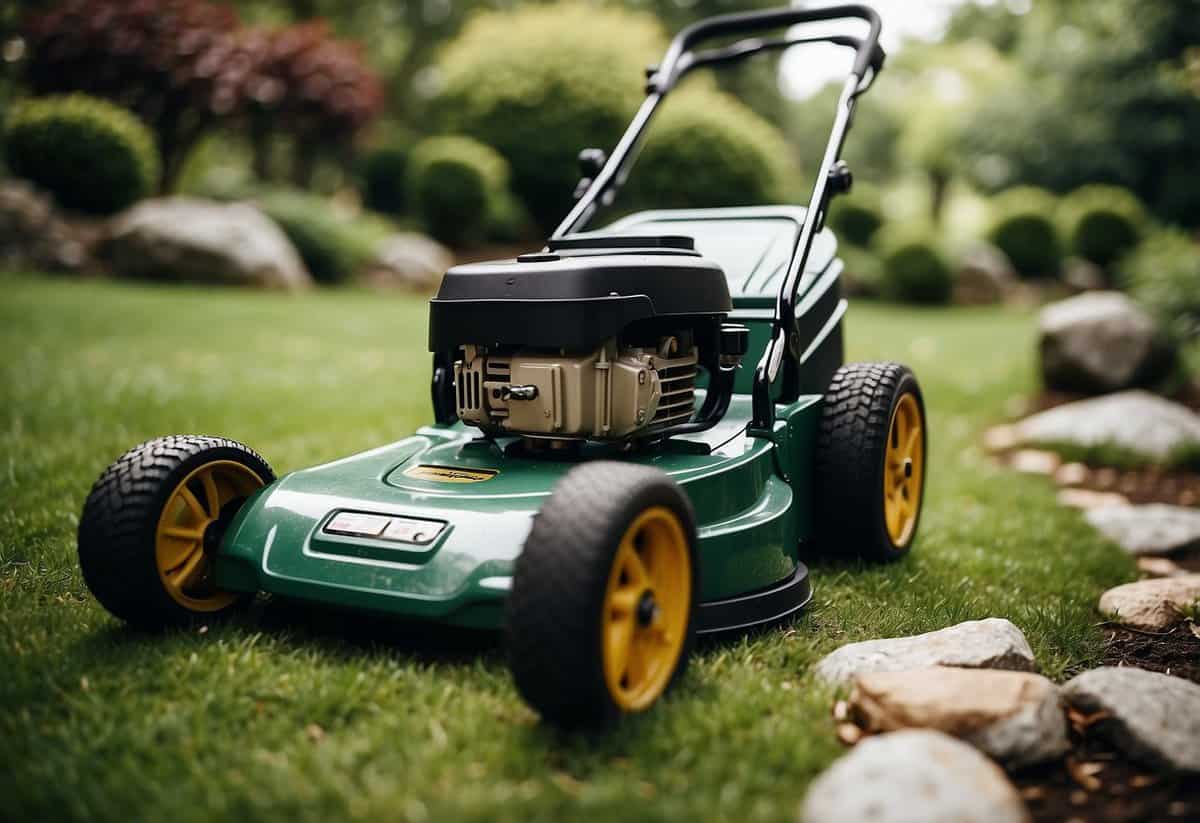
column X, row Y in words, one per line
column 646, row 609
column 903, row 471
column 184, row 564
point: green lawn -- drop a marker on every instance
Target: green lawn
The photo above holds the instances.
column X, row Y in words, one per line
column 292, row 716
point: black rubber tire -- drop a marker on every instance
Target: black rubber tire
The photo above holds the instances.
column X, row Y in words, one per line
column 851, row 450
column 556, row 605
column 117, row 529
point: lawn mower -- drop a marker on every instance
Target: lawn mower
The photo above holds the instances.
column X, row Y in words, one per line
column 640, row 434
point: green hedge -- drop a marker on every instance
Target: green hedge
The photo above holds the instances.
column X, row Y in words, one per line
column 1024, row 228
column 855, row 217
column 335, row 245
column 1103, row 223
column 458, row 188
column 913, row 268
column 384, row 173
column 89, row 154
column 706, row 149
column 1163, row 274
column 539, row 83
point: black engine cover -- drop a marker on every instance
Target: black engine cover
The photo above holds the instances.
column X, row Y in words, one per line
column 583, row 291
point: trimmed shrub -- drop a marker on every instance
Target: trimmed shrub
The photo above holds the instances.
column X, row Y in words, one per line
column 334, row 245
column 913, row 267
column 455, row 186
column 1024, row 229
column 91, row 155
column 383, row 179
column 707, row 149
column 541, row 82
column 1102, row 223
column 1163, row 274
column 855, row 217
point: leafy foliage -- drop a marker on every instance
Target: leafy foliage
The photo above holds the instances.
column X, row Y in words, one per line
column 914, row 269
column 383, row 172
column 1024, row 228
column 1103, row 223
column 456, row 186
column 542, row 82
column 707, row 149
column 856, row 217
column 1163, row 274
column 334, row 244
column 90, row 154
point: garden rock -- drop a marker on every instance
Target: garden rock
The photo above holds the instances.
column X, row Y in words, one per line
column 204, row 241
column 1152, row 605
column 1101, row 342
column 1152, row 717
column 915, row 776
column 1152, row 529
column 985, row 275
column 993, row 643
column 1083, row 275
column 1135, row 421
column 33, row 234
column 1014, row 717
column 1089, row 499
column 409, row 260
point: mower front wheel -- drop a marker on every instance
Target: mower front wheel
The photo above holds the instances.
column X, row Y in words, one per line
column 603, row 597
column 153, row 522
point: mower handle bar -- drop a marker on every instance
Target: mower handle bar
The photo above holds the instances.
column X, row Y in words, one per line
column 680, row 58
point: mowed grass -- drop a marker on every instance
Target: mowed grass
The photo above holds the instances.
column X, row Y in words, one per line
column 291, row 715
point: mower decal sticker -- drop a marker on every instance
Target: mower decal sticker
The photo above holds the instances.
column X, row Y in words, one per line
column 449, row 474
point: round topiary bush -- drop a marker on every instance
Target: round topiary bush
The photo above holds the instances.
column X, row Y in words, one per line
column 856, row 217
column 1024, row 229
column 1103, row 223
column 706, row 149
column 384, row 172
column 542, row 82
column 1163, row 274
column 913, row 268
column 91, row 155
column 456, row 186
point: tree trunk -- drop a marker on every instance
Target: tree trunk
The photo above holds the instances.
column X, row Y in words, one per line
column 939, row 185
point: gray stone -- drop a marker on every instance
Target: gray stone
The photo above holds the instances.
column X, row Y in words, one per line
column 985, row 275
column 204, row 241
column 914, row 776
column 1014, row 717
column 1152, row 717
column 992, row 643
column 409, row 260
column 1101, row 342
column 1083, row 275
column 1152, row 529
column 1152, row 605
column 1135, row 421
column 35, row 234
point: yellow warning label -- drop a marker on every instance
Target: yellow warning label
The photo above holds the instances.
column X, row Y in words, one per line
column 449, row 474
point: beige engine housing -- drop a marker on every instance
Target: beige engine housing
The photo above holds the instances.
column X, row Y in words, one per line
column 608, row 394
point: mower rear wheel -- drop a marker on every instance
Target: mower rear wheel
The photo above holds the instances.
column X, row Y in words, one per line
column 870, row 462
column 603, row 597
column 152, row 524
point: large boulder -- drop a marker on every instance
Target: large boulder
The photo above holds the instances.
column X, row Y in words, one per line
column 1152, row 605
column 1134, row 421
column 186, row 239
column 914, row 776
column 409, row 260
column 993, row 643
column 1101, row 342
column 1014, row 717
column 1152, row 717
column 1151, row 529
column 985, row 275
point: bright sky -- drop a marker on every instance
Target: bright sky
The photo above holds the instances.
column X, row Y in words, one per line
column 806, row 70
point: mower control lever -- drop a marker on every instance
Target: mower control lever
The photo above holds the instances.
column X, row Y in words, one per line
column 591, row 161
column 841, row 179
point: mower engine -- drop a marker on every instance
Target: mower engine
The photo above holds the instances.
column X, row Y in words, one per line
column 606, row 394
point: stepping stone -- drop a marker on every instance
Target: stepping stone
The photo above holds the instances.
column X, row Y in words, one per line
column 1014, row 717
column 1088, row 499
column 1152, row 717
column 916, row 776
column 1160, row 567
column 1136, row 421
column 1034, row 461
column 1152, row 605
column 1153, row 529
column 993, row 643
